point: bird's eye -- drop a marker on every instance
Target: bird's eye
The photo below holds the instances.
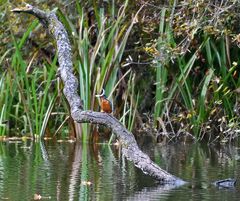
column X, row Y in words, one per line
column 28, row 6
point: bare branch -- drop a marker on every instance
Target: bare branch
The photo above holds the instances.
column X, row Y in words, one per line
column 129, row 145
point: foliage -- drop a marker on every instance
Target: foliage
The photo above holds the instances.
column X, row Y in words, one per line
column 26, row 94
column 174, row 67
column 99, row 48
column 195, row 39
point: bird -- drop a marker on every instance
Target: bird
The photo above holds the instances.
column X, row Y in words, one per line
column 105, row 104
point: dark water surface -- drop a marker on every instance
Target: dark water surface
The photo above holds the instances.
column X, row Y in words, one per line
column 61, row 171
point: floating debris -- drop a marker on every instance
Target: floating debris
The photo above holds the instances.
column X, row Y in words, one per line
column 47, row 138
column 14, row 139
column 86, row 183
column 37, row 197
column 69, row 141
column 26, row 147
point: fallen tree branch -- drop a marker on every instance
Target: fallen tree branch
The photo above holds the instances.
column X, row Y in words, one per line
column 130, row 148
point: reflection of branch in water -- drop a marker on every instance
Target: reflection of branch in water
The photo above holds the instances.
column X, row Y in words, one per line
column 75, row 172
column 152, row 193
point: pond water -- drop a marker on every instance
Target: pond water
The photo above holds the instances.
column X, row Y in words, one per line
column 72, row 171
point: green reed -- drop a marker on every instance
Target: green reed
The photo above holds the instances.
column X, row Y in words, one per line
column 179, row 88
column 200, row 98
column 97, row 58
column 27, row 99
column 29, row 94
column 161, row 72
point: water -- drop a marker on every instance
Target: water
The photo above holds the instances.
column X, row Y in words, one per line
column 70, row 171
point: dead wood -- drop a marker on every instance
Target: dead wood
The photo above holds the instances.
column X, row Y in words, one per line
column 130, row 148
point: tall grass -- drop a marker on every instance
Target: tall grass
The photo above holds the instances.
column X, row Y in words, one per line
column 167, row 93
column 98, row 60
column 200, row 97
column 131, row 100
column 197, row 97
column 161, row 71
column 29, row 93
column 27, row 98
column 3, row 125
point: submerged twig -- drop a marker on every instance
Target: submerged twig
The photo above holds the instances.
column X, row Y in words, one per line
column 129, row 145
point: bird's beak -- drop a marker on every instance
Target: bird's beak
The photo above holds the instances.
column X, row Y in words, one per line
column 99, row 95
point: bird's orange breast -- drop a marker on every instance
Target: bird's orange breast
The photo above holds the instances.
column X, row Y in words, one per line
column 106, row 106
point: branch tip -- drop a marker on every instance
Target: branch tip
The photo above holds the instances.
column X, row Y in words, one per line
column 27, row 9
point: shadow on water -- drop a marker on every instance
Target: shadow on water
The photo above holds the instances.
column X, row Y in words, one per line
column 72, row 171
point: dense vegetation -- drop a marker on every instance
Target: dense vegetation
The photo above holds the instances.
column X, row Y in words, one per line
column 170, row 68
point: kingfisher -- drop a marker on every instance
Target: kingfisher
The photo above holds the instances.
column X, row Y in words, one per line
column 105, row 104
